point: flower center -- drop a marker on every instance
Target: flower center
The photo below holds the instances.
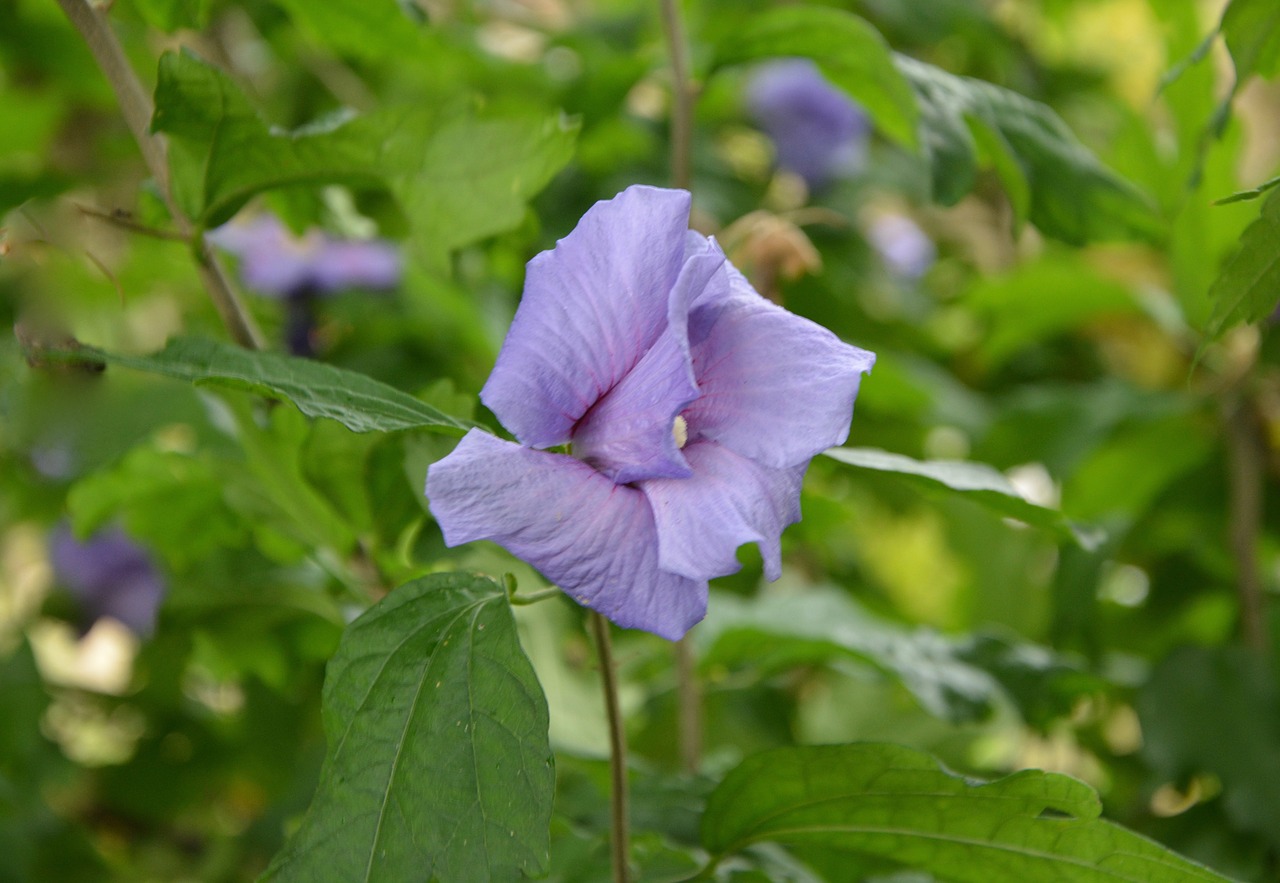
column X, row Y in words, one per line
column 680, row 429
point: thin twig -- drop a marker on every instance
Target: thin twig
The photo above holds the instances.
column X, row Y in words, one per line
column 682, row 92
column 124, row 222
column 135, row 106
column 620, row 838
column 1245, row 452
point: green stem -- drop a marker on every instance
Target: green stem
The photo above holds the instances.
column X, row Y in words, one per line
column 534, row 597
column 682, row 95
column 689, row 706
column 1245, row 462
column 620, row 838
column 93, row 26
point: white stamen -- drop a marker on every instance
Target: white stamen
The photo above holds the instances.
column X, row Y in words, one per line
column 680, row 430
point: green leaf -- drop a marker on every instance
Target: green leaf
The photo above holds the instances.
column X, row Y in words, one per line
column 1068, row 193
column 850, row 52
column 170, row 15
column 476, row 176
column 779, row 631
column 1251, row 29
column 358, row 402
column 1248, row 288
column 1251, row 193
column 438, row 764
column 222, row 153
column 977, row 482
column 887, row 803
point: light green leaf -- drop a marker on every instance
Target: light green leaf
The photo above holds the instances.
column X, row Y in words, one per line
column 779, row 631
column 1068, row 194
column 222, row 153
column 170, row 15
column 977, row 482
column 358, row 402
column 1248, row 288
column 850, row 52
column 887, row 803
column 370, row 29
column 476, row 175
column 438, row 764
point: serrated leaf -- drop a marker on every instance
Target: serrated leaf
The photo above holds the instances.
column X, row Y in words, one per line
column 888, row 803
column 976, row 482
column 778, row 631
column 476, row 176
column 1069, row 194
column 1248, row 288
column 222, row 153
column 358, row 402
column 438, row 765
column 850, row 52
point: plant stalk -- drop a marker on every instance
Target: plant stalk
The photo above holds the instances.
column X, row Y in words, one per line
column 93, row 26
column 682, row 94
column 620, row 840
column 689, row 706
column 1245, row 456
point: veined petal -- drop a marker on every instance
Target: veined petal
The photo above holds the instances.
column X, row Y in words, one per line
column 776, row 387
column 627, row 435
column 592, row 307
column 594, row 539
column 729, row 500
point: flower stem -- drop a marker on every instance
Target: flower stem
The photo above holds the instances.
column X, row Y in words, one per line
column 682, row 92
column 689, row 706
column 620, row 839
column 135, row 106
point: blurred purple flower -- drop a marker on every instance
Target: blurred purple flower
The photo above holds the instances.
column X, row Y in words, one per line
column 276, row 263
column 905, row 249
column 110, row 576
column 692, row 406
column 819, row 132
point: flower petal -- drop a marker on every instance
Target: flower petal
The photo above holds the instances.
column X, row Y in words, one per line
column 730, row 500
column 592, row 307
column 594, row 539
column 776, row 387
column 627, row 435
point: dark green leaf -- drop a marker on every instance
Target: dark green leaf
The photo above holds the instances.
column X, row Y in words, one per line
column 778, row 631
column 366, row 28
column 1251, row 29
column 359, row 403
column 1248, row 288
column 850, row 52
column 890, row 803
column 1069, row 194
column 438, row 765
column 976, row 482
column 1251, row 193
column 170, row 15
column 223, row 153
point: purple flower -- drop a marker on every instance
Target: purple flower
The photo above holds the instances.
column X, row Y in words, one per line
column 902, row 245
column 275, row 263
column 818, row 131
column 691, row 406
column 109, row 575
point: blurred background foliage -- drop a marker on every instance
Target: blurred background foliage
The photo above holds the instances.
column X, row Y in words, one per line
column 1111, row 360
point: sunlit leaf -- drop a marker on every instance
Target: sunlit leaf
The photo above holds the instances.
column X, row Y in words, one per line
column 977, row 482
column 887, row 803
column 1069, row 194
column 850, row 52
column 358, row 402
column 1251, row 29
column 366, row 28
column 438, row 765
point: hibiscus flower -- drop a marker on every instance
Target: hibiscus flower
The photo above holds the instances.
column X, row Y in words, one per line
column 688, row 407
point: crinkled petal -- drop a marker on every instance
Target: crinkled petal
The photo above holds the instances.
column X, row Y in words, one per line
column 592, row 307
column 730, row 500
column 776, row 387
column 627, row 435
column 594, row 539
